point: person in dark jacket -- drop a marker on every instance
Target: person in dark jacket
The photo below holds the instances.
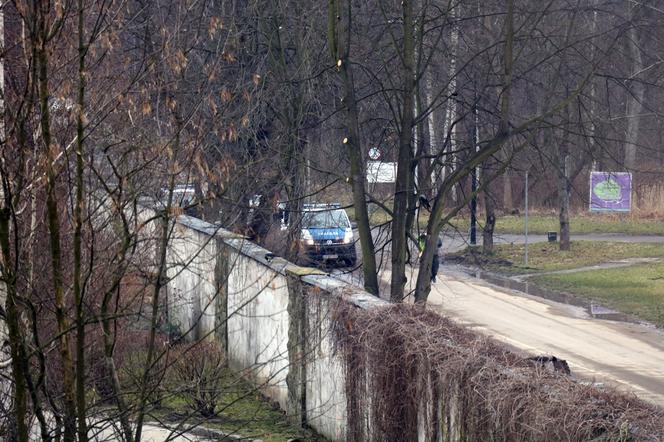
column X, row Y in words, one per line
column 435, row 264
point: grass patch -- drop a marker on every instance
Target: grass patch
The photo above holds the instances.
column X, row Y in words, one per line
column 579, row 224
column 541, row 223
column 544, row 257
column 636, row 290
column 255, row 417
column 242, row 410
column 193, row 386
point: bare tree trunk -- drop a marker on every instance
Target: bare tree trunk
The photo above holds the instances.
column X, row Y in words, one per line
column 595, row 149
column 160, row 282
column 295, row 191
column 108, row 319
column 10, row 325
column 508, row 200
column 340, row 52
column 451, row 112
column 109, row 345
column 436, row 220
column 17, row 350
column 291, row 113
column 419, row 168
column 490, row 211
column 634, row 97
column 78, row 233
column 432, row 121
column 423, row 165
column 12, row 329
column 53, row 220
column 403, row 182
column 564, row 189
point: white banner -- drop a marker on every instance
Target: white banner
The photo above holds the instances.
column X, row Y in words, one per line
column 380, row 172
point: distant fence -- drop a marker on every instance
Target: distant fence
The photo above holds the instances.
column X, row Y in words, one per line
column 354, row 367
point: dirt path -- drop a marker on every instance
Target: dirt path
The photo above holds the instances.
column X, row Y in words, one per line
column 629, row 356
column 622, row 354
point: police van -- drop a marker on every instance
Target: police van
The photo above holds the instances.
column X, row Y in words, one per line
column 327, row 234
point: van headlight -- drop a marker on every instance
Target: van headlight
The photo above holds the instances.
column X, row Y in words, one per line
column 307, row 238
column 348, row 236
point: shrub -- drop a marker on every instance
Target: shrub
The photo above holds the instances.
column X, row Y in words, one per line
column 198, row 370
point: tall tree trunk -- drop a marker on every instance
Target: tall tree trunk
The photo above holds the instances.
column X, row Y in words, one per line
column 13, row 330
column 432, row 122
column 508, row 199
column 159, row 283
column 15, row 338
column 291, row 112
column 10, row 327
column 403, row 182
column 419, row 168
column 78, row 233
column 341, row 53
column 451, row 112
column 295, row 192
column 108, row 323
column 489, row 210
column 436, row 220
column 564, row 187
column 53, row 221
column 107, row 320
column 635, row 96
column 594, row 148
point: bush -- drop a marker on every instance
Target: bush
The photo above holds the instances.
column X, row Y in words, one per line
column 198, row 370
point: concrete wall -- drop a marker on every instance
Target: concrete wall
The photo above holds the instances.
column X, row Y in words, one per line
column 273, row 317
column 192, row 287
column 280, row 323
column 258, row 323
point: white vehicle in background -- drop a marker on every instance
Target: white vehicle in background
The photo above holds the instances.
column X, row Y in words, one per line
column 184, row 195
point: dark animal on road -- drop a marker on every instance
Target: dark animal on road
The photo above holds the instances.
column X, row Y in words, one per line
column 551, row 363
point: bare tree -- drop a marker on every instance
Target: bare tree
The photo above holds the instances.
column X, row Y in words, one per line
column 339, row 40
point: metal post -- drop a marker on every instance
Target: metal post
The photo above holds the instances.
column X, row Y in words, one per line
column 526, row 203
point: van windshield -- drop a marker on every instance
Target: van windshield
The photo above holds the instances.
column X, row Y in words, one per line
column 325, row 219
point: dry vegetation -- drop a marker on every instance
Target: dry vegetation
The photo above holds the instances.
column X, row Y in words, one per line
column 482, row 390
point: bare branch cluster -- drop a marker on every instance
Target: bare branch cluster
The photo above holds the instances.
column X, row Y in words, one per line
column 462, row 386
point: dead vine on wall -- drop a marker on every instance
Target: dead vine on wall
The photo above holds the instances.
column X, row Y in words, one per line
column 407, row 369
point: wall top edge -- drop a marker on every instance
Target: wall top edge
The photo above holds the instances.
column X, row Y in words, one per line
column 309, row 275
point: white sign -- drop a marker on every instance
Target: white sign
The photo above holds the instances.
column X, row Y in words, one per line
column 380, row 172
column 374, row 153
